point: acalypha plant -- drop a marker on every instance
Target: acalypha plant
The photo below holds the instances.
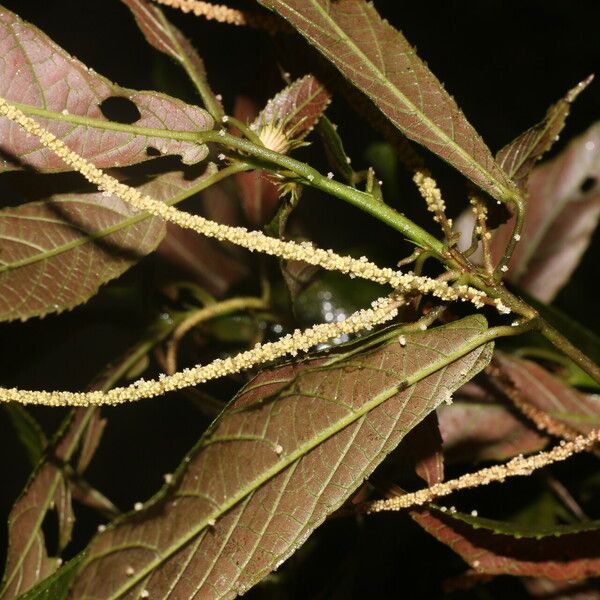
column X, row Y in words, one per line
column 363, row 371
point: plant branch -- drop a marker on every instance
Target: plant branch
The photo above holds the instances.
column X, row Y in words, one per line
column 560, row 342
column 309, row 175
column 207, row 313
column 210, row 101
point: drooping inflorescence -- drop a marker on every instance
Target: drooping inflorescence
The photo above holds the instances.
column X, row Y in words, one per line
column 252, row 240
column 300, row 341
column 518, row 466
column 384, row 309
column 224, row 14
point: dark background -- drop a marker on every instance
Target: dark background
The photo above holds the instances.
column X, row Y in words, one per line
column 504, row 61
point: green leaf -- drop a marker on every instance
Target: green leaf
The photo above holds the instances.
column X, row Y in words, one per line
column 334, row 149
column 28, row 430
column 287, row 451
column 56, row 253
column 377, row 59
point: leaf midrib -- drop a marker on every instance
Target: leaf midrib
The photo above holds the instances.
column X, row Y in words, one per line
column 284, row 463
column 508, row 194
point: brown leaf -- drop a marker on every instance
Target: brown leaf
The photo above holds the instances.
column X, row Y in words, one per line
column 28, row 560
column 56, row 253
column 297, row 108
column 566, row 553
column 164, row 36
column 36, row 72
column 519, row 157
column 477, row 432
column 287, row 451
column 562, row 213
column 377, row 59
column 580, row 412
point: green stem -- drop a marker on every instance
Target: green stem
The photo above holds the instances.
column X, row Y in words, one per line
column 210, row 101
column 309, row 175
column 560, row 342
column 183, row 136
column 514, row 238
column 361, row 200
column 312, row 177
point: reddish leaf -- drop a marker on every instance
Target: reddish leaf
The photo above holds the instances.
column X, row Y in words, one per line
column 378, row 60
column 201, row 260
column 296, row 109
column 56, row 253
column 538, row 387
column 36, row 72
column 164, row 36
column 566, row 553
column 562, row 213
column 476, row 432
column 519, row 157
column 422, row 447
column 28, row 560
column 290, row 449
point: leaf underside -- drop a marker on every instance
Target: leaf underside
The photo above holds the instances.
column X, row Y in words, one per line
column 28, row 560
column 563, row 209
column 378, row 60
column 288, row 450
column 56, row 253
column 37, row 72
column 565, row 553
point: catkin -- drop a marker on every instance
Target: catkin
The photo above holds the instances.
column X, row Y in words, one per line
column 251, row 240
column 224, row 14
column 518, row 466
column 382, row 310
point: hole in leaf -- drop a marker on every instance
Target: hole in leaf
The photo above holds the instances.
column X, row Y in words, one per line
column 587, row 184
column 152, row 151
column 50, row 531
column 120, row 109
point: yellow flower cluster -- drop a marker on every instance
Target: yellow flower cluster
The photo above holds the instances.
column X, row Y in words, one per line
column 382, row 310
column 432, row 195
column 517, row 466
column 211, row 12
column 224, row 14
